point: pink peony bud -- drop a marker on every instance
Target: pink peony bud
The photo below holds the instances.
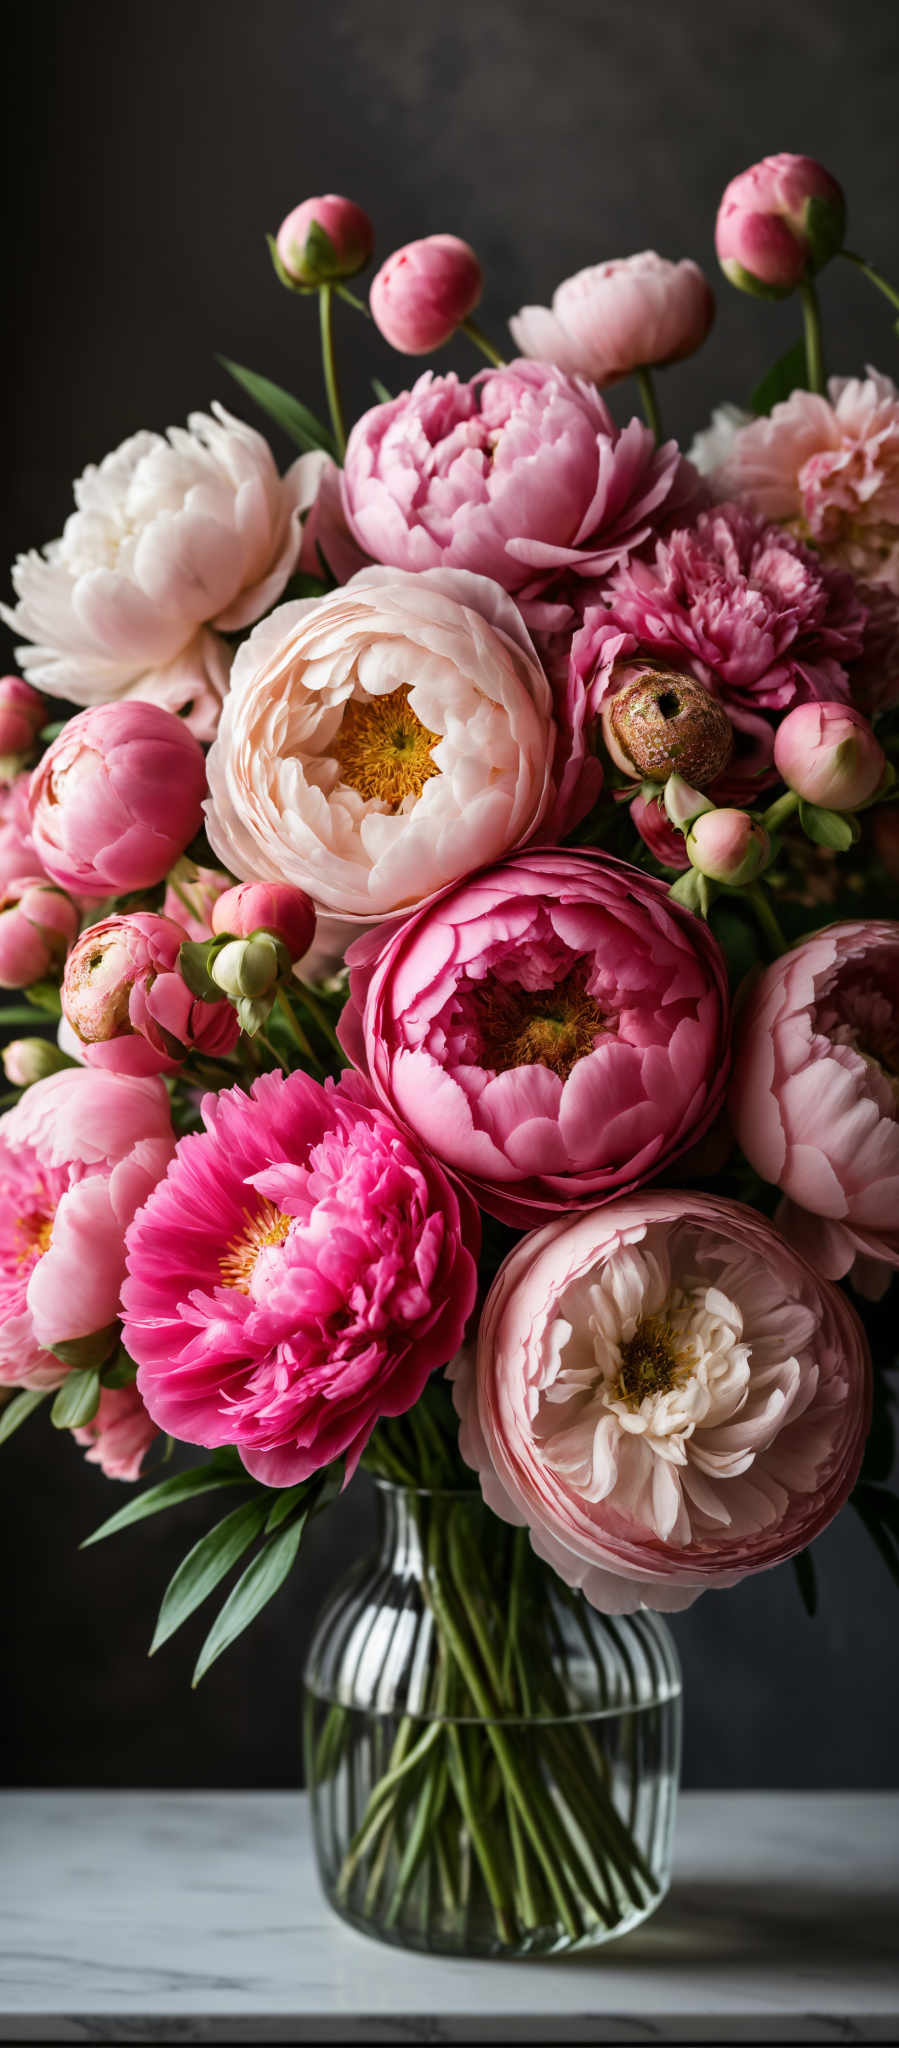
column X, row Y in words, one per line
column 424, row 292
column 828, row 754
column 128, row 1003
column 617, row 317
column 37, row 926
column 275, row 907
column 324, row 239
column 31, row 1059
column 781, row 219
column 116, row 798
column 661, row 722
column 728, row 846
column 22, row 713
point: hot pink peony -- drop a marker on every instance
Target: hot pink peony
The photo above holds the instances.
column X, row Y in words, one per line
column 130, row 1008
column 520, row 474
column 815, row 1091
column 298, row 1274
column 116, row 799
column 119, row 1436
column 78, row 1155
column 554, row 1029
column 614, row 317
column 666, row 1395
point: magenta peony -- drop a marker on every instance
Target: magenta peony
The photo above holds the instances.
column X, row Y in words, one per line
column 619, row 316
column 78, row 1155
column 666, row 1395
column 116, row 799
column 119, row 1436
column 127, row 1003
column 554, row 1029
column 299, row 1273
column 37, row 926
column 777, row 221
column 424, row 292
column 520, row 474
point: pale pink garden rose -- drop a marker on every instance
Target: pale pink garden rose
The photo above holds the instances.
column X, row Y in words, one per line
column 424, row 291
column 78, row 1155
column 666, row 1395
column 814, row 1095
column 116, row 799
column 38, row 923
column 125, row 999
column 119, row 1436
column 613, row 318
column 380, row 741
column 169, row 536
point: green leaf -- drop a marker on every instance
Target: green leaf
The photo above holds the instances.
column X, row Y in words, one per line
column 284, row 1506
column 383, row 396
column 290, row 413
column 827, row 828
column 169, row 1492
column 77, row 1400
column 87, row 1354
column 23, row 1013
column 807, row 1581
column 738, row 938
column 255, row 1588
column 17, row 1411
column 788, row 374
column 45, row 996
column 193, row 966
column 120, row 1371
column 205, row 1565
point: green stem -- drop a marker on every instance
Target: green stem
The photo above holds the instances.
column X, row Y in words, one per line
column 777, row 938
column 814, row 344
column 317, row 1011
column 648, row 399
column 781, row 809
column 297, row 1033
column 476, row 334
column 873, row 276
column 334, row 406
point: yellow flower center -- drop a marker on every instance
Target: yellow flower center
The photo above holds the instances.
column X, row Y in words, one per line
column 34, row 1231
column 651, row 1362
column 268, row 1226
column 547, row 1027
column 383, row 750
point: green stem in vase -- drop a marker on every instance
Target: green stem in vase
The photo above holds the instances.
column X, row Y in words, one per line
column 330, row 369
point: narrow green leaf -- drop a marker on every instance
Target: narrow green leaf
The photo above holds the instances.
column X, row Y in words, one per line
column 17, row 1411
column 45, row 996
column 284, row 1506
column 205, row 1565
column 167, row 1494
column 827, row 828
column 87, row 1354
column 77, row 1400
column 383, row 396
column 290, row 413
column 120, row 1371
column 193, row 958
column 24, row 1013
column 807, row 1581
column 788, row 374
column 255, row 1588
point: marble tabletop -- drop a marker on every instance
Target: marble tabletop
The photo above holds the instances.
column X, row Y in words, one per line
column 175, row 1917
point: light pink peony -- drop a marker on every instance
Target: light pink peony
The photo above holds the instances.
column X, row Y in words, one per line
column 168, row 537
column 614, row 317
column 381, row 741
column 116, row 798
column 815, row 1093
column 119, row 1436
column 37, row 926
column 78, row 1155
column 829, row 469
column 519, row 474
column 126, row 1001
column 300, row 1272
column 554, row 1029
column 424, row 291
column 777, row 221
column 828, row 754
column 18, row 853
column 666, row 1395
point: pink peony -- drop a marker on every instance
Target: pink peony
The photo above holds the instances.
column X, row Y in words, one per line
column 555, row 1029
column 37, row 926
column 828, row 754
column 116, row 799
column 728, row 846
column 777, row 221
column 303, row 251
column 299, row 1273
column 119, row 1436
column 270, row 907
column 18, row 853
column 815, row 1091
column 328, row 549
column 424, row 291
column 22, row 714
column 131, row 1010
column 78, row 1155
column 829, row 469
column 519, row 474
column 615, row 317
column 666, row 1395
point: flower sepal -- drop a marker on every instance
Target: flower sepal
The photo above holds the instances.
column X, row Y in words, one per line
column 834, row 829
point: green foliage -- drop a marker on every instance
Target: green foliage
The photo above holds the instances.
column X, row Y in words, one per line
column 205, row 1565
column 828, row 828
column 17, row 1411
column 168, row 1494
column 256, row 1586
column 788, row 374
column 302, row 426
column 77, row 1400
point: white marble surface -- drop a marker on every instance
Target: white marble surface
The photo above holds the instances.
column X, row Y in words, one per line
column 140, row 1916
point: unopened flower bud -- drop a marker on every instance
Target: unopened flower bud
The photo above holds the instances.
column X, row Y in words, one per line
column 424, row 292
column 22, row 713
column 31, row 1059
column 777, row 222
column 37, row 925
column 276, row 907
column 663, row 723
column 728, row 846
column 248, row 967
column 323, row 240
column 828, row 754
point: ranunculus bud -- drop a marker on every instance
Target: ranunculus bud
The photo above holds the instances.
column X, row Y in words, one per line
column 248, row 967
column 31, row 1059
column 22, row 713
column 661, row 722
column 117, row 798
column 128, row 1003
column 728, row 846
column 276, row 907
column 778, row 221
column 424, row 292
column 829, row 755
column 323, row 240
column 37, row 925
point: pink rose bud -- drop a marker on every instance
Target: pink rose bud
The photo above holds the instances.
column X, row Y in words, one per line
column 276, row 907
column 828, row 754
column 116, row 798
column 31, row 1059
column 22, row 713
column 778, row 221
column 661, row 722
column 424, row 292
column 728, row 846
column 323, row 240
column 617, row 317
column 37, row 926
column 129, row 1005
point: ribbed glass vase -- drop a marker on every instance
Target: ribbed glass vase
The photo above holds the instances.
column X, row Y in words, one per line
column 492, row 1765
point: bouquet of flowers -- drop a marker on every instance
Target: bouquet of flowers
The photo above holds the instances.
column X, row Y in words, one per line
column 462, row 1025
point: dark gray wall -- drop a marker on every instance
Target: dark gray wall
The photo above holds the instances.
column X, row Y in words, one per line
column 150, row 147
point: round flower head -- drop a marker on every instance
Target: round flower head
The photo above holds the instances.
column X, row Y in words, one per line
column 298, row 1274
column 37, row 926
column 423, row 293
column 323, row 239
column 616, row 317
column 128, row 1004
column 777, row 221
column 116, row 799
column 667, row 1395
column 554, row 1029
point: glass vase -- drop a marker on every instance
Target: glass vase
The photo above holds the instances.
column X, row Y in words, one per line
column 492, row 1765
